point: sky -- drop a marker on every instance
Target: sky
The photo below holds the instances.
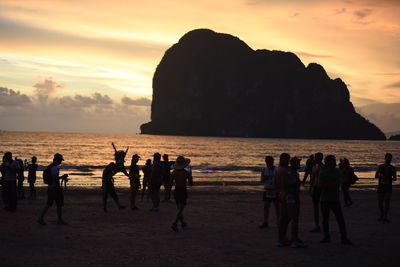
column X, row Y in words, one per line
column 87, row 65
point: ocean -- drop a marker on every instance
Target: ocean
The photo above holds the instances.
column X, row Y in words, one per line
column 214, row 160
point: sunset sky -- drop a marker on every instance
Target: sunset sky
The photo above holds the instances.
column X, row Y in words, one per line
column 90, row 64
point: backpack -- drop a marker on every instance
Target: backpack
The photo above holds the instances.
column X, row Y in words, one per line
column 47, row 177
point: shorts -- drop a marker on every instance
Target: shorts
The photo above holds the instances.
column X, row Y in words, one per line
column 270, row 196
column 55, row 195
column 316, row 195
column 180, row 195
column 385, row 188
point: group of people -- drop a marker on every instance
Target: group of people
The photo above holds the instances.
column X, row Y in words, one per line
column 281, row 188
column 155, row 174
column 282, row 191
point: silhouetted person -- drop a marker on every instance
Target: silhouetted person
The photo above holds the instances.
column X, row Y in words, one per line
column 180, row 177
column 119, row 156
column 315, row 190
column 54, row 189
column 108, row 186
column 32, row 168
column 329, row 181
column 309, row 167
column 146, row 178
column 348, row 178
column 292, row 198
column 167, row 177
column 282, row 175
column 10, row 170
column 134, row 179
column 20, row 179
column 270, row 193
column 386, row 174
column 156, row 180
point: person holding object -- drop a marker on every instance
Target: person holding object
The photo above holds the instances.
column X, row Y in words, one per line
column 51, row 176
column 180, row 177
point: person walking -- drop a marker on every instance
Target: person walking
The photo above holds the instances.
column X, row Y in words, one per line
column 348, row 179
column 108, row 186
column 51, row 176
column 180, row 177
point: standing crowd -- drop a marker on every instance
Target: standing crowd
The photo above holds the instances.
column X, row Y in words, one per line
column 281, row 188
column 282, row 191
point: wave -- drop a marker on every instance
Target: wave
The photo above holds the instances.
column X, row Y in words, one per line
column 206, row 168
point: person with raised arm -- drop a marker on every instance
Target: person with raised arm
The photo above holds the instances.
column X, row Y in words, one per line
column 119, row 156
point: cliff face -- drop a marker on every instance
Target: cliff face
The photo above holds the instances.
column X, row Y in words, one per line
column 214, row 84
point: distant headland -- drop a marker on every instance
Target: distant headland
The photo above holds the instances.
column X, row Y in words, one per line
column 214, row 84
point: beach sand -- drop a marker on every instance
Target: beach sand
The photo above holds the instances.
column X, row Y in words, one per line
column 222, row 230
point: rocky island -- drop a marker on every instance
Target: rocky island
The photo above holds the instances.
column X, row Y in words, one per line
column 214, row 84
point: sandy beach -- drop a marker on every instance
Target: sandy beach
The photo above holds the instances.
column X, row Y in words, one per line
column 222, row 230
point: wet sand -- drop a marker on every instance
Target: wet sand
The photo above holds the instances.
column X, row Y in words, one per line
column 222, row 230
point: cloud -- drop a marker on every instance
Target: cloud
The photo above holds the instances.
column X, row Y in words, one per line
column 9, row 97
column 47, row 87
column 385, row 116
column 305, row 54
column 393, row 85
column 78, row 113
column 361, row 14
column 136, row 102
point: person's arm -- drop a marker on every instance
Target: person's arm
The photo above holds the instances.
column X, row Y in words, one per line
column 262, row 178
column 115, row 150
column 172, row 179
column 394, row 174
column 190, row 179
column 126, row 151
column 378, row 173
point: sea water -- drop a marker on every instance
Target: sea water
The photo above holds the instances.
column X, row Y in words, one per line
column 214, row 160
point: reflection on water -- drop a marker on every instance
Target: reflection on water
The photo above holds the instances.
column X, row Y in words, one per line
column 214, row 159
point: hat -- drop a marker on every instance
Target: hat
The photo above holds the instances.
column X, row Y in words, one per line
column 136, row 156
column 58, row 156
column 181, row 163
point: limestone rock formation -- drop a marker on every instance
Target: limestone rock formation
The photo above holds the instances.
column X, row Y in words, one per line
column 213, row 84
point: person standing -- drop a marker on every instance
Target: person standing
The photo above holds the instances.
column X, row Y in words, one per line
column 167, row 177
column 348, row 178
column 329, row 181
column 20, row 179
column 108, row 186
column 156, row 180
column 146, row 178
column 54, row 189
column 10, row 170
column 270, row 193
column 134, row 179
column 315, row 190
column 282, row 175
column 180, row 177
column 385, row 174
column 308, row 169
column 32, row 168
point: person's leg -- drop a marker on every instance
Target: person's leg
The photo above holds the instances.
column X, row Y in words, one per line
column 306, row 173
column 337, row 210
column 157, row 196
column 6, row 194
column 143, row 191
column 294, row 220
column 387, row 197
column 325, row 207
column 267, row 205
column 60, row 203
column 114, row 196
column 315, row 199
column 134, row 191
column 44, row 211
column 283, row 221
column 30, row 191
column 380, row 205
column 105, row 196
column 13, row 196
column 276, row 205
